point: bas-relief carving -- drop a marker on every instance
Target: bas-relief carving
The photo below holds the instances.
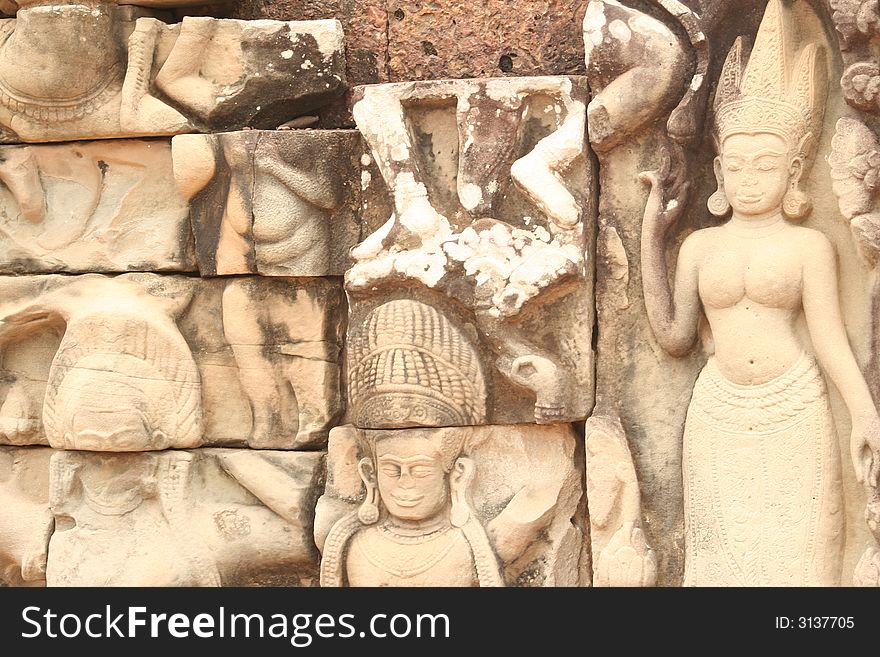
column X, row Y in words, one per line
column 104, row 206
column 471, row 506
column 272, row 203
column 208, row 517
column 490, row 184
column 26, row 523
column 784, row 527
column 111, row 71
column 149, row 362
column 858, row 26
column 621, row 555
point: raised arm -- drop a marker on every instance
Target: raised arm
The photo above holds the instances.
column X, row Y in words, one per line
column 825, row 322
column 673, row 314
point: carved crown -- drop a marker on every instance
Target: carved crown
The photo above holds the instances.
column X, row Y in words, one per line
column 411, row 366
column 768, row 95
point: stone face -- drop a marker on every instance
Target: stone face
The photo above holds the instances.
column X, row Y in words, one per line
column 150, row 362
column 111, row 71
column 96, row 206
column 272, row 203
column 471, row 304
column 473, row 506
column 449, row 39
column 208, row 517
column 26, row 522
column 724, row 409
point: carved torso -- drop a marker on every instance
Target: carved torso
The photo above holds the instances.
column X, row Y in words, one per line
column 378, row 557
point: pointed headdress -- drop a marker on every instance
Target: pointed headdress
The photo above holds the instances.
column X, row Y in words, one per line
column 768, row 94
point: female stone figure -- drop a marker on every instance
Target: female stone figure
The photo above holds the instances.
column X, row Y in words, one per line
column 761, row 469
column 415, row 526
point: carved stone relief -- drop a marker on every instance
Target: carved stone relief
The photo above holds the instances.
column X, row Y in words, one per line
column 490, row 222
column 148, row 362
column 102, row 206
column 621, row 555
column 470, row 506
column 111, row 71
column 272, row 203
column 208, row 517
column 767, row 300
column 26, row 523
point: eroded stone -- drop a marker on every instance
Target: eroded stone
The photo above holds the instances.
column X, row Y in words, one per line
column 149, row 362
column 110, row 71
column 102, row 206
column 272, row 203
column 208, row 517
column 485, row 254
column 26, row 522
column 472, row 506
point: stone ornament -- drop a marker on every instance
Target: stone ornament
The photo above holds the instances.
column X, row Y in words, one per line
column 26, row 523
column 271, row 203
column 208, row 517
column 858, row 24
column 104, row 206
column 148, row 362
column 761, row 381
column 621, row 554
column 472, row 506
column 489, row 219
column 111, row 71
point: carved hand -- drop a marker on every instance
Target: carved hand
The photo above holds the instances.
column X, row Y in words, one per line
column 865, row 449
column 661, row 213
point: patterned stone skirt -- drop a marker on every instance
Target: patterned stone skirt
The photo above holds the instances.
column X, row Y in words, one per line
column 763, row 497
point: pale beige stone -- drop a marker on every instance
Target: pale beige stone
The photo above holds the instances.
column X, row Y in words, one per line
column 763, row 487
column 208, row 517
column 150, row 362
column 102, row 71
column 102, row 206
column 272, row 203
column 490, row 222
column 470, row 506
column 621, row 555
column 26, row 522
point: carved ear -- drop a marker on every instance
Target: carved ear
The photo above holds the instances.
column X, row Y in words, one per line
column 368, row 513
column 460, row 479
column 718, row 204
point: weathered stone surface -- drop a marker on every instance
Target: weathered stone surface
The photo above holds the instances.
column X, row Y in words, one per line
column 272, row 203
column 472, row 303
column 708, row 470
column 110, row 71
column 26, row 522
column 102, row 206
column 150, row 362
column 451, row 39
column 473, row 506
column 364, row 23
column 209, row 517
column 621, row 556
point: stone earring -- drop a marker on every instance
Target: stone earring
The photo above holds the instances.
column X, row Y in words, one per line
column 462, row 474
column 368, row 513
column 718, row 204
column 796, row 204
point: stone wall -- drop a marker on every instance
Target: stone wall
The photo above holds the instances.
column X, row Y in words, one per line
column 398, row 293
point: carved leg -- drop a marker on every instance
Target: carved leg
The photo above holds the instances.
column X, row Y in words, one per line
column 139, row 111
column 243, row 316
column 21, row 175
column 537, row 173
